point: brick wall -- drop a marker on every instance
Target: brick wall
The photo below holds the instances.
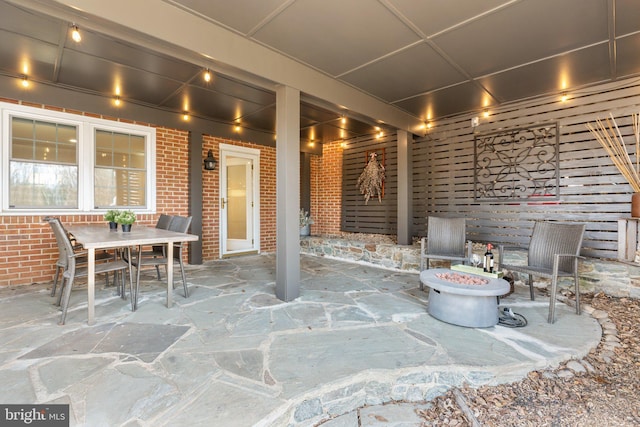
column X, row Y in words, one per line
column 326, row 189
column 28, row 251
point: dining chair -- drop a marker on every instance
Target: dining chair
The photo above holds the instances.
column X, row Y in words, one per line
column 553, row 252
column 178, row 224
column 446, row 240
column 81, row 256
column 164, row 221
column 73, row 271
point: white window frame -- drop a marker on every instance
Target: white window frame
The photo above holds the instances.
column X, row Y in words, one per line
column 86, row 157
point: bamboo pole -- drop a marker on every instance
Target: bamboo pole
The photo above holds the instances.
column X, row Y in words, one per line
column 608, row 134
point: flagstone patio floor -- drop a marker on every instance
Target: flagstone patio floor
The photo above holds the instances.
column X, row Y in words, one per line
column 232, row 354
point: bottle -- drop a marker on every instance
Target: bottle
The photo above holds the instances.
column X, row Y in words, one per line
column 487, row 263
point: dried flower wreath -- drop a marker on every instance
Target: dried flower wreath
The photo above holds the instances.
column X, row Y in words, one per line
column 371, row 179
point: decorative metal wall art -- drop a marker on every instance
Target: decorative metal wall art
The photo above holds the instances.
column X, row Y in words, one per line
column 517, row 165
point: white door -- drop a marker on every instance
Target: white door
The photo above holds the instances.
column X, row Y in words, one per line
column 239, row 196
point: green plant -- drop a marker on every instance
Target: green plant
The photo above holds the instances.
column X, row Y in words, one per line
column 305, row 219
column 111, row 215
column 126, row 217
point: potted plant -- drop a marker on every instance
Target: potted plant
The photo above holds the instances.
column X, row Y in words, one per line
column 111, row 216
column 305, row 222
column 125, row 219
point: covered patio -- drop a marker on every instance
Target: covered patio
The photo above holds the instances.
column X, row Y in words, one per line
column 232, row 354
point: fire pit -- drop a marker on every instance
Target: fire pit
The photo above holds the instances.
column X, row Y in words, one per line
column 463, row 299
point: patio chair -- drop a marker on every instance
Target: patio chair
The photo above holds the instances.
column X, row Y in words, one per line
column 178, row 224
column 81, row 258
column 554, row 251
column 164, row 221
column 446, row 240
column 72, row 271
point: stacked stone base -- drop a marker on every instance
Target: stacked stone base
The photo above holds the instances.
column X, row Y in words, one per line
column 596, row 275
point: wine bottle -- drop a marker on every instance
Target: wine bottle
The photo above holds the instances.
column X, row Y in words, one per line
column 488, row 259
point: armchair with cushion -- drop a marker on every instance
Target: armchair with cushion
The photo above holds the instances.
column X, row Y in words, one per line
column 553, row 252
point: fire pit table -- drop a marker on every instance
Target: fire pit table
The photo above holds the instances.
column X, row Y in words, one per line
column 463, row 299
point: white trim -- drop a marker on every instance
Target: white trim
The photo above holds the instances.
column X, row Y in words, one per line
column 254, row 154
column 86, row 164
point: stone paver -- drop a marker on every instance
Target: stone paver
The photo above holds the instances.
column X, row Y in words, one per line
column 356, row 339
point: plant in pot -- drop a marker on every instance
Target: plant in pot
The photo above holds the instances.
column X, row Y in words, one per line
column 125, row 219
column 305, row 222
column 110, row 216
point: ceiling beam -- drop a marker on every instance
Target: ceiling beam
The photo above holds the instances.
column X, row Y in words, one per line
column 160, row 26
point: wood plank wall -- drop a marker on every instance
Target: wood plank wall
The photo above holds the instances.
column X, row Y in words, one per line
column 591, row 188
column 374, row 216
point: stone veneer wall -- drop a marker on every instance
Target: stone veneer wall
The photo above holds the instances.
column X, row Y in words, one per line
column 596, row 275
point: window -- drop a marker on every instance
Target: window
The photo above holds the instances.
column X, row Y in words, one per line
column 54, row 161
column 43, row 170
column 120, row 169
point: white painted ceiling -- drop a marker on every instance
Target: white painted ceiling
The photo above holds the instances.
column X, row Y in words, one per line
column 427, row 58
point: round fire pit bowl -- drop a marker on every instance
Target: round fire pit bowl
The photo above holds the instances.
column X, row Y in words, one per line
column 470, row 305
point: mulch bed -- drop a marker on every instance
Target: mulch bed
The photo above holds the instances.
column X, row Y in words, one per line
column 607, row 395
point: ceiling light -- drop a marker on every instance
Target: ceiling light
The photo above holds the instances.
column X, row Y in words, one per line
column 485, row 113
column 237, row 127
column 343, row 120
column 117, row 101
column 75, row 34
column 25, row 81
column 207, row 75
column 564, row 97
column 185, row 116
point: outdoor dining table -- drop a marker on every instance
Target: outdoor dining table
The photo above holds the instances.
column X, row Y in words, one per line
column 93, row 237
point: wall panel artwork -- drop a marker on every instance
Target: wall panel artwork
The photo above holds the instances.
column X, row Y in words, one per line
column 517, row 164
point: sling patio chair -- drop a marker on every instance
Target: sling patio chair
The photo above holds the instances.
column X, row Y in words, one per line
column 155, row 258
column 72, row 270
column 81, row 256
column 553, row 252
column 446, row 240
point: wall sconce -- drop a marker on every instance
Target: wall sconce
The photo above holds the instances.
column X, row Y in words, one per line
column 210, row 162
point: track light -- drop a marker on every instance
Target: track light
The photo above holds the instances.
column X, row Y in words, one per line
column 75, row 34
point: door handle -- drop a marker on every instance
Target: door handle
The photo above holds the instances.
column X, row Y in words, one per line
column 222, row 202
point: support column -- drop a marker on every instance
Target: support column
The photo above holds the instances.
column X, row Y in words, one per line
column 287, row 193
column 405, row 188
column 195, row 196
